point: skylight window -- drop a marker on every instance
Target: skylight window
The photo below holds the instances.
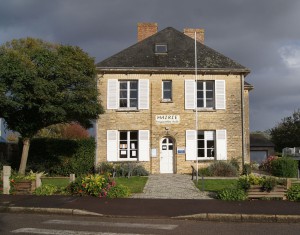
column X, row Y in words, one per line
column 161, row 48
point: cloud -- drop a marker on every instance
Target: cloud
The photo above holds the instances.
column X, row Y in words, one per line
column 290, row 54
column 261, row 35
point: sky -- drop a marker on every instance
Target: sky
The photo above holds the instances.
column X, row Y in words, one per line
column 262, row 35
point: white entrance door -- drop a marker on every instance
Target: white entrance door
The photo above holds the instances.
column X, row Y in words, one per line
column 166, row 155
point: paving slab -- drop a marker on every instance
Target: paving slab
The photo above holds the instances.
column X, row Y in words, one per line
column 171, row 186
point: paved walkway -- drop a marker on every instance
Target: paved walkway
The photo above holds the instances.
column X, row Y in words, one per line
column 171, row 186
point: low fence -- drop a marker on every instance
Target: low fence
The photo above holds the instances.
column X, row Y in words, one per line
column 26, row 186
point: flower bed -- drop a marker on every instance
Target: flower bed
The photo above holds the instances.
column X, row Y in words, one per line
column 22, row 187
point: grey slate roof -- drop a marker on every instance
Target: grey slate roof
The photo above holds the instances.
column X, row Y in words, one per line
column 180, row 56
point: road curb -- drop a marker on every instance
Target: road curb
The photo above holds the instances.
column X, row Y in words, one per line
column 64, row 211
column 262, row 218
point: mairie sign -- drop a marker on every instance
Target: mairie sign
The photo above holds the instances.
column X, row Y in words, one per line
column 167, row 119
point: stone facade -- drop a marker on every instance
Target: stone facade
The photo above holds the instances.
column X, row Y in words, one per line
column 229, row 119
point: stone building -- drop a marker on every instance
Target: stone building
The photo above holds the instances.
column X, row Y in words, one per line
column 152, row 97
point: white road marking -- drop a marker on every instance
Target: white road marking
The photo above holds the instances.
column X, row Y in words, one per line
column 64, row 232
column 112, row 224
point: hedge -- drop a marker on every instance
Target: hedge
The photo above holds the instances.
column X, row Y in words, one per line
column 61, row 156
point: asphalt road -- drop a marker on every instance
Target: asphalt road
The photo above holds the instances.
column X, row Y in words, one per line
column 11, row 223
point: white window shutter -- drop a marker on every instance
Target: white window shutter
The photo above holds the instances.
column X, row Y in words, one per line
column 112, row 94
column 143, row 94
column 144, row 145
column 220, row 94
column 112, row 145
column 221, row 137
column 189, row 93
column 190, row 144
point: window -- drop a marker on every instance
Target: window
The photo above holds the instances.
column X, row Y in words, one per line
column 128, row 144
column 205, row 94
column 161, row 48
column 206, row 144
column 128, row 94
column 167, row 90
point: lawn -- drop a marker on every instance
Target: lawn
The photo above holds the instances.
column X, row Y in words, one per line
column 135, row 184
column 58, row 182
column 215, row 185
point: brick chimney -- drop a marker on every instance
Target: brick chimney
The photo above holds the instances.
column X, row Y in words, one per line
column 191, row 33
column 146, row 30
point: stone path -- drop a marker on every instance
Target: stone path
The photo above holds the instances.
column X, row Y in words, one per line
column 171, row 186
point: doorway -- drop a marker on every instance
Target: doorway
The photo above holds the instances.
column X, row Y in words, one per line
column 166, row 155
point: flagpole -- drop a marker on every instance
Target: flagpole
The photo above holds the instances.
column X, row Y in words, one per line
column 196, row 105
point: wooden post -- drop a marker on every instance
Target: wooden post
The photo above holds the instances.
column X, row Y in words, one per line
column 6, row 176
column 72, row 178
column 38, row 181
column 288, row 183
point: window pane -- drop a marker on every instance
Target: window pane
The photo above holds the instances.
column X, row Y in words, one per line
column 167, row 85
column 201, row 153
column 133, row 153
column 209, row 85
column 200, row 143
column 201, row 135
column 123, row 103
column 209, row 94
column 199, row 85
column 170, row 147
column 123, row 85
column 209, row 103
column 123, row 135
column 167, row 95
column 200, row 103
column 210, row 144
column 210, row 152
column 133, row 135
column 133, row 85
column 161, row 48
column 123, row 94
column 133, row 103
column 133, row 94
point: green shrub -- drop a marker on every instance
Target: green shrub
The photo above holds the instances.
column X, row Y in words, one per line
column 267, row 164
column 204, row 172
column 284, row 167
column 247, row 169
column 234, row 162
column 139, row 170
column 221, row 168
column 293, row 193
column 105, row 167
column 268, row 183
column 118, row 191
column 122, row 169
column 60, row 156
column 94, row 185
column 231, row 194
column 47, row 189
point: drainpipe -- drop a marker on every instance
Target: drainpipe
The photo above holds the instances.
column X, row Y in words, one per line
column 243, row 119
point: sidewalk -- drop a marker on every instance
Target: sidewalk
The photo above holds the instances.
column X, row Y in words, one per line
column 171, row 186
column 170, row 202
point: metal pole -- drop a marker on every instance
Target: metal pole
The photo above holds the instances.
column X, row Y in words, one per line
column 196, row 105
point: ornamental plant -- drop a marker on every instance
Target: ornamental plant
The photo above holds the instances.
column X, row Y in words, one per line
column 293, row 193
column 267, row 164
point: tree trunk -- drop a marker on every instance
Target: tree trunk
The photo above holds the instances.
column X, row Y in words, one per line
column 26, row 145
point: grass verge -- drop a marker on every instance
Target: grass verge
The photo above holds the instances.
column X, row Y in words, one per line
column 215, row 185
column 135, row 184
column 58, row 182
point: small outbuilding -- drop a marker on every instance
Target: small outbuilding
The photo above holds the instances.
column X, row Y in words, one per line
column 260, row 148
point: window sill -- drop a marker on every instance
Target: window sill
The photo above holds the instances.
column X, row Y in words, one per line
column 205, row 159
column 128, row 110
column 166, row 101
column 127, row 160
column 205, row 110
